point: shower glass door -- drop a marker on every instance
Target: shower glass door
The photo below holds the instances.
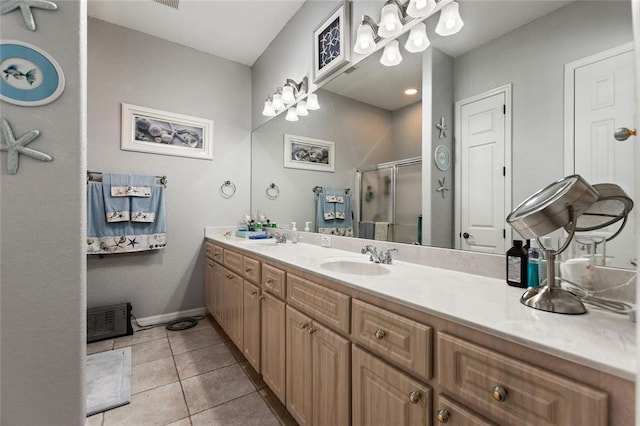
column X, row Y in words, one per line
column 408, row 204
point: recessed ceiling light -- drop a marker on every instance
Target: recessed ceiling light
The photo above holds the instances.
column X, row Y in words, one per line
column 411, row 91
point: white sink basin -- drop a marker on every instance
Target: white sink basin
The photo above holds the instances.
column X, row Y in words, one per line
column 258, row 242
column 354, row 267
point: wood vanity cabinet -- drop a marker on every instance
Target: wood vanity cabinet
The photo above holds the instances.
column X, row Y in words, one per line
column 318, row 372
column 232, row 306
column 273, row 345
column 509, row 391
column 251, row 324
column 383, row 395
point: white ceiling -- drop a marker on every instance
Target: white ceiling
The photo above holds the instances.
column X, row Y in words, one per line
column 238, row 30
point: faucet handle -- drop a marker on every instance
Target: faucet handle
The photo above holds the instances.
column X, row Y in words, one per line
column 386, row 256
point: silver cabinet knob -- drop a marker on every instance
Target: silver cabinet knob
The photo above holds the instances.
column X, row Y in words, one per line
column 414, row 397
column 304, row 324
column 442, row 416
column 312, row 330
column 499, row 393
column 379, row 334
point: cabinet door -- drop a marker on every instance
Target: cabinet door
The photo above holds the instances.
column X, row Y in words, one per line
column 233, row 292
column 331, row 365
column 273, row 345
column 208, row 284
column 251, row 325
column 299, row 374
column 217, row 294
column 385, row 396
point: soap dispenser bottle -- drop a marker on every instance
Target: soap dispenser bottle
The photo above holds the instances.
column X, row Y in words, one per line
column 294, row 233
column 517, row 265
column 306, row 226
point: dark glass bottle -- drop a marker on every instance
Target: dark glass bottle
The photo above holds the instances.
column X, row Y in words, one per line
column 517, row 265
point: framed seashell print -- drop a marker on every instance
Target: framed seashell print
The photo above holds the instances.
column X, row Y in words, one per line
column 331, row 45
column 301, row 152
column 167, row 133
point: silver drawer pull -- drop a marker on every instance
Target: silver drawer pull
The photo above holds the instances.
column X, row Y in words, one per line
column 248, row 270
column 443, row 416
column 269, row 280
column 379, row 334
column 304, row 324
column 254, row 292
column 499, row 393
column 414, row 397
column 312, row 330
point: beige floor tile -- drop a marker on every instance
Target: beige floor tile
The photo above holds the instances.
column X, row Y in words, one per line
column 191, row 341
column 216, row 387
column 160, row 406
column 245, row 411
column 237, row 353
column 150, row 351
column 101, row 346
column 183, row 422
column 153, row 374
column 203, row 360
column 95, row 420
column 140, row 337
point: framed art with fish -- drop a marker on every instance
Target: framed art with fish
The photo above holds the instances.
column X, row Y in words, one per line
column 301, row 152
column 166, row 133
column 30, row 76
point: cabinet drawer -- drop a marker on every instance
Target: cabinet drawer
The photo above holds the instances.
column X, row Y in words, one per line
column 402, row 341
column 454, row 414
column 328, row 306
column 251, row 270
column 273, row 280
column 214, row 252
column 513, row 392
column 382, row 395
column 233, row 261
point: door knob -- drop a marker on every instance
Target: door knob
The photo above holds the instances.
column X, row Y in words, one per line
column 622, row 133
column 466, row 235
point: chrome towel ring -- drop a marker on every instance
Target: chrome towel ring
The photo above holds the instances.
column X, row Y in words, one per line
column 273, row 191
column 227, row 189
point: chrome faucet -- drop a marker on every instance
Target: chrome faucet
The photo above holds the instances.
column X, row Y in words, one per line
column 378, row 257
column 280, row 238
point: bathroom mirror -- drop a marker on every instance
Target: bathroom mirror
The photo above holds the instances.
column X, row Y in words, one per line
column 527, row 58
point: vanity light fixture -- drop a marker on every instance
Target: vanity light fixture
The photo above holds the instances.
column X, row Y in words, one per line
column 278, row 104
column 291, row 115
column 418, row 40
column 288, row 98
column 391, row 17
column 450, row 21
column 366, row 37
column 420, row 8
column 301, row 109
column 268, row 110
column 312, row 102
column 411, row 91
column 391, row 55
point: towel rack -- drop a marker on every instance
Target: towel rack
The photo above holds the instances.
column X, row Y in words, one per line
column 97, row 177
column 318, row 190
column 227, row 189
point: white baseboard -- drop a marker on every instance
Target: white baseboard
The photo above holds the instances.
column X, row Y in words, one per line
column 160, row 319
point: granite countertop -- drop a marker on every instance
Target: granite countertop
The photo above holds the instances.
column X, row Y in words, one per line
column 598, row 339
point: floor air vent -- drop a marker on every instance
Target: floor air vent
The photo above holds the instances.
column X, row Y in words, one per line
column 108, row 321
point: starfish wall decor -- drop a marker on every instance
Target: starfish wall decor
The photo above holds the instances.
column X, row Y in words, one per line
column 443, row 128
column 25, row 6
column 14, row 147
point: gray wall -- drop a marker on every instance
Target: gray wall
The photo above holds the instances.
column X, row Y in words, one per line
column 127, row 66
column 532, row 58
column 43, row 229
column 406, row 130
column 362, row 136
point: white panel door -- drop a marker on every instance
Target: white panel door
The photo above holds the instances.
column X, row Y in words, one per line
column 604, row 100
column 482, row 185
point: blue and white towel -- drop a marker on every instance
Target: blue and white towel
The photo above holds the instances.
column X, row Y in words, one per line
column 145, row 205
column 333, row 212
column 104, row 237
column 117, row 207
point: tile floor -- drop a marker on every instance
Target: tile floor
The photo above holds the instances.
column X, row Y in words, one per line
column 190, row 377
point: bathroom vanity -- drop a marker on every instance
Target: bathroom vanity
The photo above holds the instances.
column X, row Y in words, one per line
column 344, row 341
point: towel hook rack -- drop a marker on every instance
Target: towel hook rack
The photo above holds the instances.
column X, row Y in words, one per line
column 273, row 191
column 227, row 189
column 97, row 177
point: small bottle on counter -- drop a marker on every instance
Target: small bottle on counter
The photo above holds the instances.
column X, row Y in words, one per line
column 517, row 265
column 533, row 267
column 306, row 226
column 294, row 233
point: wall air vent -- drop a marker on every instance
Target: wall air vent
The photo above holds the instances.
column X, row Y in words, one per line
column 171, row 3
column 108, row 321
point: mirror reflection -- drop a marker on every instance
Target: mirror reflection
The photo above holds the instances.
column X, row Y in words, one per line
column 525, row 94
